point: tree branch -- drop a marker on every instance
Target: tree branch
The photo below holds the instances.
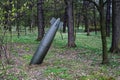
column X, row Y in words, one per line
column 106, row 2
column 97, row 6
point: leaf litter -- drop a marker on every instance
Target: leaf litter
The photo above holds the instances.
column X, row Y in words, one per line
column 75, row 64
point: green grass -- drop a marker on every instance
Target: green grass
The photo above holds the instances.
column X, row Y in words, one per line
column 96, row 77
column 27, row 57
column 92, row 42
column 25, row 39
column 29, row 38
column 59, row 61
column 58, row 71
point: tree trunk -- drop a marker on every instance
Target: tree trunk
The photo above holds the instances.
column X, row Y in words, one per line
column 115, row 46
column 8, row 9
column 40, row 20
column 55, row 9
column 103, row 33
column 78, row 20
column 17, row 27
column 65, row 18
column 9, row 15
column 100, row 8
column 71, row 38
column 85, row 5
column 31, row 16
column 17, row 20
column 108, row 19
column 94, row 22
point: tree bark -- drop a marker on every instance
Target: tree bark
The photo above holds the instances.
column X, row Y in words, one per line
column 103, row 33
column 31, row 15
column 85, row 5
column 100, row 8
column 40, row 20
column 115, row 46
column 108, row 18
column 18, row 19
column 65, row 18
column 78, row 20
column 94, row 13
column 71, row 38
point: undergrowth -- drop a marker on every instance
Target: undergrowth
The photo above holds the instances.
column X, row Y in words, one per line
column 61, row 63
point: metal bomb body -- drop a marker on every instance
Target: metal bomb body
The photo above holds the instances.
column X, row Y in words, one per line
column 45, row 44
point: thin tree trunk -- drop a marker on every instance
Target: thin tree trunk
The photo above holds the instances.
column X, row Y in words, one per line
column 85, row 5
column 94, row 13
column 40, row 20
column 55, row 10
column 65, row 18
column 31, row 16
column 100, row 8
column 78, row 20
column 108, row 18
column 9, row 15
column 103, row 34
column 17, row 21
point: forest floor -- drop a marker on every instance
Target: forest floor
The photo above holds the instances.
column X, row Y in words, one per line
column 60, row 63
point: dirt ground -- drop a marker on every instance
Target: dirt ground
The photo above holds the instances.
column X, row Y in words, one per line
column 75, row 64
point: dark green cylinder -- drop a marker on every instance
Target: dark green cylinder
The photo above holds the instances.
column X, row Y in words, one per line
column 45, row 43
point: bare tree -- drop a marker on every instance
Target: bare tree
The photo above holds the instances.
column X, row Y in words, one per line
column 100, row 8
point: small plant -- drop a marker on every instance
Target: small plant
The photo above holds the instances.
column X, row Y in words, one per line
column 27, row 57
column 58, row 72
column 95, row 77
